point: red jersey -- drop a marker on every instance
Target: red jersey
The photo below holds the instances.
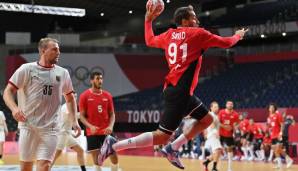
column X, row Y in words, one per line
column 274, row 123
column 184, row 46
column 227, row 119
column 267, row 140
column 97, row 108
column 244, row 125
column 257, row 131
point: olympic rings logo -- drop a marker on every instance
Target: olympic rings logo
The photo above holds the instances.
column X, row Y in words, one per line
column 81, row 74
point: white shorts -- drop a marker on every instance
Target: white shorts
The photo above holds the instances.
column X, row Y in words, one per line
column 2, row 136
column 213, row 144
column 37, row 145
column 65, row 139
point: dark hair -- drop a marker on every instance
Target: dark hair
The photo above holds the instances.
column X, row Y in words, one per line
column 93, row 74
column 182, row 13
column 274, row 105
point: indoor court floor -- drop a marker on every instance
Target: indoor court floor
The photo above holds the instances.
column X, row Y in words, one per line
column 67, row 162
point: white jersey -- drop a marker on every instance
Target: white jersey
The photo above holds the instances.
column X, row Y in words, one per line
column 213, row 129
column 65, row 122
column 2, row 121
column 40, row 91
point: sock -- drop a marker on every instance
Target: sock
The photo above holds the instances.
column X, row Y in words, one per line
column 230, row 156
column 114, row 167
column 203, row 152
column 244, row 149
column 176, row 144
column 97, row 168
column 278, row 161
column 143, row 140
column 288, row 158
column 206, row 162
column 251, row 151
column 271, row 155
column 214, row 165
column 262, row 154
column 83, row 168
column 258, row 153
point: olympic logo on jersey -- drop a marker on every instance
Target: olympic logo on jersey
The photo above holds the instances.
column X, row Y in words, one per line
column 81, row 74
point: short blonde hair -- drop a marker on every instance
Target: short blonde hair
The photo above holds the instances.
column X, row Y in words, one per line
column 43, row 42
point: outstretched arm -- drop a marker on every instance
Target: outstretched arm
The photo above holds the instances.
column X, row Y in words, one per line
column 212, row 40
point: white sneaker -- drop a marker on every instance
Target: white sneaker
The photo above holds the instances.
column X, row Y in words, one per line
column 289, row 163
column 229, row 169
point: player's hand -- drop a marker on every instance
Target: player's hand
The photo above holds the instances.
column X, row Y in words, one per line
column 108, row 130
column 18, row 115
column 151, row 14
column 77, row 129
column 241, row 33
column 93, row 129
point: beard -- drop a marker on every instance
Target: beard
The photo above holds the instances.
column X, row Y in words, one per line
column 97, row 86
column 54, row 61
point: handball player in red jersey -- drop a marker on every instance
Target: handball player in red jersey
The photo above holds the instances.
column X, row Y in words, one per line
column 183, row 48
column 97, row 114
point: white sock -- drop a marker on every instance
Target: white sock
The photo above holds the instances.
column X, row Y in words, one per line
column 271, row 155
column 262, row 154
column 203, row 152
column 143, row 140
column 251, row 151
column 278, row 161
column 288, row 158
column 176, row 144
column 230, row 156
column 258, row 153
column 97, row 168
column 114, row 167
column 244, row 149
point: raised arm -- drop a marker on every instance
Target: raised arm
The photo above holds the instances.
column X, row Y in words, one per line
column 150, row 39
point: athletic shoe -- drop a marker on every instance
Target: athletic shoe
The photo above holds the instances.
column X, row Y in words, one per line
column 214, row 169
column 106, row 149
column 2, row 162
column 172, row 156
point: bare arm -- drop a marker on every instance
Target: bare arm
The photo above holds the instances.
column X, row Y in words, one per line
column 72, row 108
column 86, row 123
column 83, row 119
column 9, row 100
